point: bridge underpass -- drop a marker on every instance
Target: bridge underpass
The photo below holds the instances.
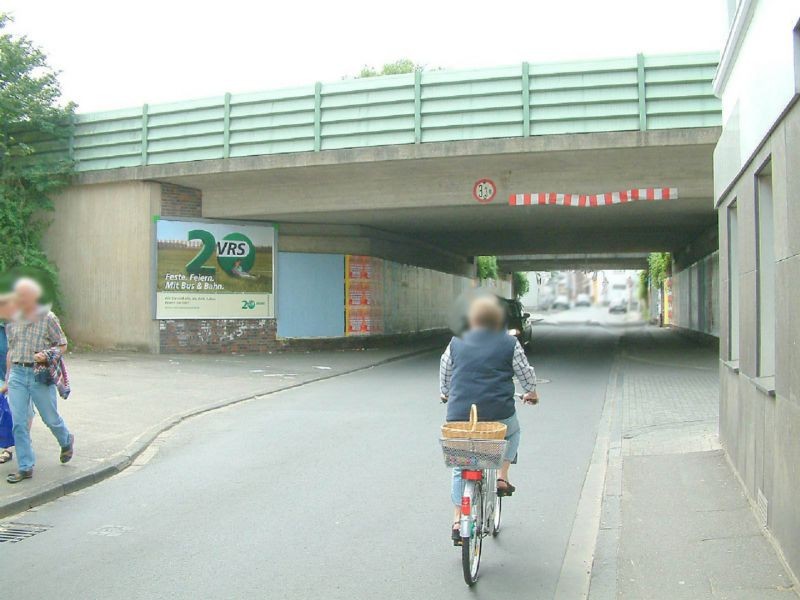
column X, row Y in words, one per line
column 581, row 130
column 423, row 210
column 429, row 199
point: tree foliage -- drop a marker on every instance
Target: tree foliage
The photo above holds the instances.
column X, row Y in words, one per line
column 644, row 285
column 659, row 267
column 487, row 267
column 398, row 67
column 34, row 162
column 520, row 284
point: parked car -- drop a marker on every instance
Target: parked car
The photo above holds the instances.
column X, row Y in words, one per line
column 583, row 300
column 545, row 301
column 618, row 306
column 517, row 321
column 561, row 301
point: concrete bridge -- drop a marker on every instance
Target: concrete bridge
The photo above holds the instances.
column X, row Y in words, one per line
column 584, row 165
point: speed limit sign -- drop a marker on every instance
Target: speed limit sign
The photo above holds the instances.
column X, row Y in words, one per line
column 484, row 190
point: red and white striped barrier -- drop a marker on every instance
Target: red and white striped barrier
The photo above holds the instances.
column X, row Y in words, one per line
column 606, row 199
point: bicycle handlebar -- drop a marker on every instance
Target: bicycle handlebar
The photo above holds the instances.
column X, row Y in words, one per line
column 517, row 397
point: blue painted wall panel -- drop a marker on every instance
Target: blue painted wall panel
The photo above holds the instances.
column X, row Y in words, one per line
column 310, row 295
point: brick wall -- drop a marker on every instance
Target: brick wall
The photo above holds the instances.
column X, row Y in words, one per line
column 180, row 201
column 217, row 336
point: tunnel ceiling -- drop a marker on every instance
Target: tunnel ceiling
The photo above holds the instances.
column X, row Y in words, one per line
column 503, row 229
column 430, row 198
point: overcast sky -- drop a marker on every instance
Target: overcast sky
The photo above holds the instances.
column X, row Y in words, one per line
column 117, row 54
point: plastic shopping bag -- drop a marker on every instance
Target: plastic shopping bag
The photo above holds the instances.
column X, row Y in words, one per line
column 6, row 435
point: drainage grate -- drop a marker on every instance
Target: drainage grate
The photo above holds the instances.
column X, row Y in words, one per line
column 16, row 532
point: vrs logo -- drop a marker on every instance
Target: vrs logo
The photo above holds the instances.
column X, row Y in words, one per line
column 233, row 249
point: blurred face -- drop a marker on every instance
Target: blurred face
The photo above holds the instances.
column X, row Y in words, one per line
column 27, row 298
column 485, row 313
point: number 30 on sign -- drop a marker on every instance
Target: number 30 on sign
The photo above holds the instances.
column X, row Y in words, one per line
column 484, row 190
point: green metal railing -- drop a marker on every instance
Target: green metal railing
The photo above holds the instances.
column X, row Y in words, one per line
column 636, row 93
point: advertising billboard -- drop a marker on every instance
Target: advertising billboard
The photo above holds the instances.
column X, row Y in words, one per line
column 214, row 270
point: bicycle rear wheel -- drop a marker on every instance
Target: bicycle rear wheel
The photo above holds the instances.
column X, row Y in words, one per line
column 494, row 504
column 496, row 518
column 471, row 546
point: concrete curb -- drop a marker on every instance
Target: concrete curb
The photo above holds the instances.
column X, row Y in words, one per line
column 121, row 461
column 575, row 578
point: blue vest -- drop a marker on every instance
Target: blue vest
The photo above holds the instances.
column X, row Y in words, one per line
column 483, row 374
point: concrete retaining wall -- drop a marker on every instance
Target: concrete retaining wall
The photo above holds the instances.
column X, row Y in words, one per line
column 695, row 296
column 101, row 241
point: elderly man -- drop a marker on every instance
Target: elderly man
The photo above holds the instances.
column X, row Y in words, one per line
column 31, row 336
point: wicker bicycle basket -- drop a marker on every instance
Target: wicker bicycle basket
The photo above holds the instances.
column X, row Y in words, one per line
column 473, row 429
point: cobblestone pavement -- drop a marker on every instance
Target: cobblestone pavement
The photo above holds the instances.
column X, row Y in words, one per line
column 669, row 394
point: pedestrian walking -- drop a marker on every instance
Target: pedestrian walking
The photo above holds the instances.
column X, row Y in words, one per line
column 36, row 344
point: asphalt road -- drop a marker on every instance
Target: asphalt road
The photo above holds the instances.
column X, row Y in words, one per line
column 332, row 490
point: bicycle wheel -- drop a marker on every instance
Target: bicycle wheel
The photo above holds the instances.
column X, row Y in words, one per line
column 498, row 510
column 471, row 546
column 494, row 504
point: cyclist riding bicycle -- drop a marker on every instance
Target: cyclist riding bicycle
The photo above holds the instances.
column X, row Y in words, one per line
column 479, row 368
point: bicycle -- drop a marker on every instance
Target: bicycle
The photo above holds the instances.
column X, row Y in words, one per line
column 481, row 507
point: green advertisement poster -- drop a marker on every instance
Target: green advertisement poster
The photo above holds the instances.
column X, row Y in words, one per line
column 208, row 270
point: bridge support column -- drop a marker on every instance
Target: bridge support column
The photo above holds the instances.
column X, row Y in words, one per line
column 101, row 241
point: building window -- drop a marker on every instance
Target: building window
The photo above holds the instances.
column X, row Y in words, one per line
column 733, row 282
column 766, row 272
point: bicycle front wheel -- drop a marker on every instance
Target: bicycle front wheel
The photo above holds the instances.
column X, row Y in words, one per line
column 471, row 546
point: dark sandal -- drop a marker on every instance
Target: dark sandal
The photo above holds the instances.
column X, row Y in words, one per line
column 6, row 456
column 506, row 491
column 19, row 476
column 456, row 536
column 67, row 451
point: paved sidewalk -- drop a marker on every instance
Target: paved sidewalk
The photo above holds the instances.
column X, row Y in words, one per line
column 121, row 401
column 675, row 522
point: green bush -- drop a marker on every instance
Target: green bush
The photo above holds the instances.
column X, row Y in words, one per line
column 660, row 267
column 487, row 267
